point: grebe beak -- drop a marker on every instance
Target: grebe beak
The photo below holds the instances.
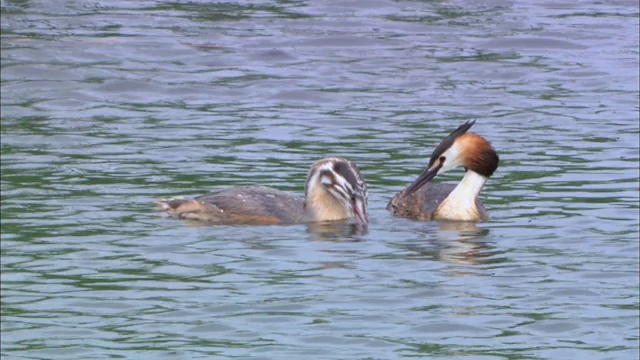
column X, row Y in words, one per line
column 355, row 200
column 424, row 178
column 358, row 210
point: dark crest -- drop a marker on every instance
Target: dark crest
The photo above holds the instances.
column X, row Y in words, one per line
column 448, row 141
column 347, row 171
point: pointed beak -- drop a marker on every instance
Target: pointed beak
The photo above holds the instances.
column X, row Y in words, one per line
column 424, row 178
column 358, row 211
column 356, row 201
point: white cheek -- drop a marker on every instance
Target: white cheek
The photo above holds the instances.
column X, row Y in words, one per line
column 452, row 158
column 325, row 181
column 448, row 165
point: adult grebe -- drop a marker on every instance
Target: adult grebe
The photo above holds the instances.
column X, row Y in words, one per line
column 434, row 201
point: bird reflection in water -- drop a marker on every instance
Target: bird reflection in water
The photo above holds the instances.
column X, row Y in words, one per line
column 454, row 242
column 337, row 231
column 462, row 242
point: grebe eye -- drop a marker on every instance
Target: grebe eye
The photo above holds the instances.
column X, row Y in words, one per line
column 442, row 159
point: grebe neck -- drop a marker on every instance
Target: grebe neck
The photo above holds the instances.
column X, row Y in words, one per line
column 461, row 204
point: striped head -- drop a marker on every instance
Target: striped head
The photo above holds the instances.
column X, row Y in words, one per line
column 336, row 190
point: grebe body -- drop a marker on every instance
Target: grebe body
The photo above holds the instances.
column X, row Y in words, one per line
column 335, row 190
column 433, row 201
column 426, row 203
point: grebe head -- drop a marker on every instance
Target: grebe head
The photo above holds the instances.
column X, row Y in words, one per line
column 341, row 179
column 460, row 148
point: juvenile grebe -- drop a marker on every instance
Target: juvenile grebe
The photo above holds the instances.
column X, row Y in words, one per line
column 433, row 201
column 334, row 190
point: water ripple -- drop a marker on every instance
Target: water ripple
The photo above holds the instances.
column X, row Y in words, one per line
column 106, row 107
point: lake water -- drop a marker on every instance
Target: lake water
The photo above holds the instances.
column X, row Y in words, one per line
column 108, row 105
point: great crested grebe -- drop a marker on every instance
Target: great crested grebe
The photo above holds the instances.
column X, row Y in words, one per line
column 334, row 190
column 433, row 201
